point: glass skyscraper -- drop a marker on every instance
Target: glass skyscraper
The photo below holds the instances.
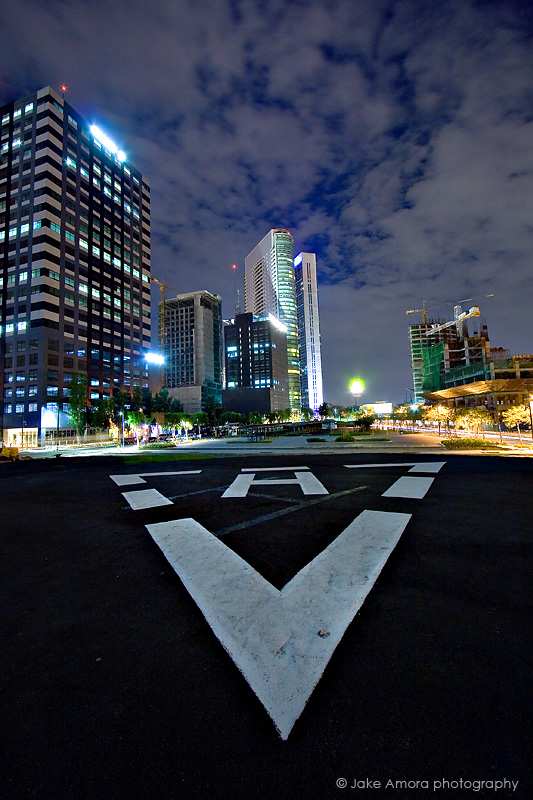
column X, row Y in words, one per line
column 269, row 287
column 308, row 331
column 74, row 265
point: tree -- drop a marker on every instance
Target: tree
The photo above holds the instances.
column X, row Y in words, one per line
column 472, row 419
column 103, row 412
column 136, row 419
column 78, row 402
column 213, row 411
column 515, row 416
column 440, row 414
column 324, row 410
column 365, row 422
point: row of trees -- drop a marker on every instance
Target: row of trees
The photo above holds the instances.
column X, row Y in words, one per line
column 140, row 408
column 476, row 418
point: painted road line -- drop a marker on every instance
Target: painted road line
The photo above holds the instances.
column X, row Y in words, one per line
column 415, row 488
column 271, row 469
column 430, row 466
column 146, row 498
column 281, row 641
column 242, row 483
column 417, row 466
column 124, row 480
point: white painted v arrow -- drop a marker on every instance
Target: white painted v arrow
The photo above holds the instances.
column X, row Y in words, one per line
column 281, row 640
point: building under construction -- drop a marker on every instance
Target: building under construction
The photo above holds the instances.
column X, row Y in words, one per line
column 441, row 349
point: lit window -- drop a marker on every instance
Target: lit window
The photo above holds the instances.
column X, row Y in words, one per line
column 23, row 276
column 38, row 223
column 107, row 257
column 96, row 251
column 71, row 162
column 84, row 288
column 52, row 391
column 107, row 191
column 84, row 244
column 21, row 326
column 97, row 183
column 84, row 173
column 55, row 227
column 17, row 113
column 70, row 236
column 5, row 119
column 5, row 147
column 19, row 408
column 28, row 108
column 32, row 406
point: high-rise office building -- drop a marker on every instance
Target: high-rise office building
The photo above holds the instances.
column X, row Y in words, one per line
column 74, row 264
column 269, row 287
column 255, row 353
column 308, row 331
column 192, row 348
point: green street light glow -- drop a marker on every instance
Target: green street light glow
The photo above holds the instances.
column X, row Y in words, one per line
column 357, row 387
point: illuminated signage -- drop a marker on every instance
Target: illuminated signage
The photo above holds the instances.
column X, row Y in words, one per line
column 298, row 260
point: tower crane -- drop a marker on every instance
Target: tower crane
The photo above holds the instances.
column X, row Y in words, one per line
column 424, row 310
column 162, row 286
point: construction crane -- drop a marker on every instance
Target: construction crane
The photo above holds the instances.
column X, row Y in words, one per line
column 163, row 287
column 424, row 310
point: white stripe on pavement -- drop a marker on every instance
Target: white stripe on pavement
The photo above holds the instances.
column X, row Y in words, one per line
column 123, row 480
column 242, row 483
column 415, row 488
column 146, row 498
column 417, row 466
column 281, row 641
column 271, row 469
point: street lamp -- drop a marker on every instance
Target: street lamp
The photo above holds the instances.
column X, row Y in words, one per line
column 357, row 388
column 121, row 414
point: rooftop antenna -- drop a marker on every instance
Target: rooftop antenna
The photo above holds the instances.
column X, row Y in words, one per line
column 236, row 292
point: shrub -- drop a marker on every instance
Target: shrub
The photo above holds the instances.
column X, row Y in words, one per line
column 456, row 443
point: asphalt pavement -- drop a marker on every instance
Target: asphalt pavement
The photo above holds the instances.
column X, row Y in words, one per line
column 295, row 624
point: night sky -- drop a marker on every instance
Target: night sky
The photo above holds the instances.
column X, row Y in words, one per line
column 394, row 139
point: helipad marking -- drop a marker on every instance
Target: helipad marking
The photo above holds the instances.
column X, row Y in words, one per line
column 242, row 483
column 271, row 469
column 415, row 488
column 146, row 498
column 281, row 640
column 418, row 466
column 124, row 480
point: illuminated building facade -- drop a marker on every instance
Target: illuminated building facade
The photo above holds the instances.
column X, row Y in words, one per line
column 308, row 331
column 193, row 349
column 255, row 354
column 269, row 287
column 74, row 265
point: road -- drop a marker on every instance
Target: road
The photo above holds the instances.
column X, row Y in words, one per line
column 266, row 626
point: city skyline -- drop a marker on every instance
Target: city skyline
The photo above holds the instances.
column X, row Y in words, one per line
column 392, row 140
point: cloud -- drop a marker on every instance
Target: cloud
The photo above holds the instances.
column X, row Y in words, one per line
column 395, row 138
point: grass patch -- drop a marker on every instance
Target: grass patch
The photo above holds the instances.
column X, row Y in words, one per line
column 157, row 446
column 456, row 443
column 160, row 458
column 315, row 439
